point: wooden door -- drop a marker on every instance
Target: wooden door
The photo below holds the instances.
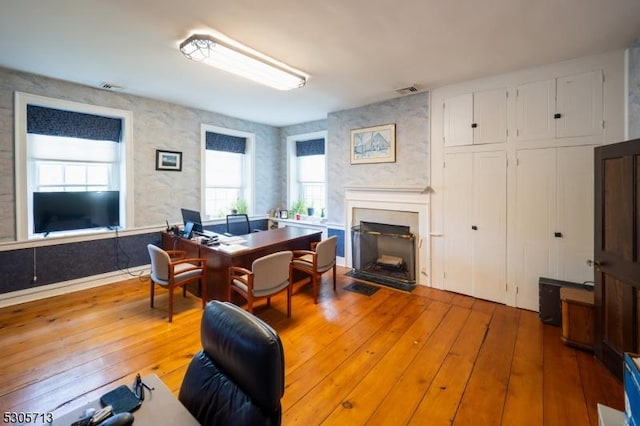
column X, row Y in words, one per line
column 579, row 105
column 536, row 253
column 616, row 251
column 489, row 226
column 458, row 116
column 457, row 223
column 574, row 227
column 536, row 102
column 490, row 116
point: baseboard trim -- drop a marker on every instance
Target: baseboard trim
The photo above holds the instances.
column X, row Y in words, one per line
column 65, row 287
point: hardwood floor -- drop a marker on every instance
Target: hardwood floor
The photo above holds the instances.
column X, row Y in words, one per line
column 429, row 357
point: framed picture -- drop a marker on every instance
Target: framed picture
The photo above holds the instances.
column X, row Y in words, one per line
column 168, row 160
column 284, row 214
column 374, row 144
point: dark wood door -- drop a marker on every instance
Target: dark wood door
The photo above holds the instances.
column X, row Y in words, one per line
column 616, row 252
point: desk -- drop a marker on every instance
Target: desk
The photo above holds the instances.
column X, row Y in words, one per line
column 258, row 244
column 160, row 407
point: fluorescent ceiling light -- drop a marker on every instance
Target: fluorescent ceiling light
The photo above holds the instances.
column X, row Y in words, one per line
column 215, row 52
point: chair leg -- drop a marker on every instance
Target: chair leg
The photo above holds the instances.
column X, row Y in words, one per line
column 170, row 304
column 203, row 294
column 184, row 291
column 334, row 278
column 315, row 283
column 153, row 286
column 289, row 300
column 268, row 301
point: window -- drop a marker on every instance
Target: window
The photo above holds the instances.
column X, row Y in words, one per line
column 65, row 146
column 307, row 171
column 227, row 171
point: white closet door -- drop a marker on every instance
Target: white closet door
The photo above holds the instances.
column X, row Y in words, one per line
column 490, row 116
column 457, row 223
column 458, row 116
column 575, row 213
column 535, row 103
column 490, row 222
column 579, row 103
column 535, row 256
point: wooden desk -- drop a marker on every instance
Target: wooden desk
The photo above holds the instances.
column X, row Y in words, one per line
column 258, row 244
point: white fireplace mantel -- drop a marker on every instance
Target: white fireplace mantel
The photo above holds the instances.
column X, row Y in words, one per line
column 413, row 199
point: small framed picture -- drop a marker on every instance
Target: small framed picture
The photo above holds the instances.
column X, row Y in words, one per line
column 168, row 160
column 284, row 214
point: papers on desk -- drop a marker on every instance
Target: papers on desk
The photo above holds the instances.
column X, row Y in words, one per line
column 231, row 248
column 231, row 240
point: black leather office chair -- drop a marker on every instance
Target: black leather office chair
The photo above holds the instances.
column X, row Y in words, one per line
column 238, row 224
column 238, row 376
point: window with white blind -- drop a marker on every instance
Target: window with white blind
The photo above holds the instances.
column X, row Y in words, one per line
column 307, row 171
column 227, row 171
column 67, row 147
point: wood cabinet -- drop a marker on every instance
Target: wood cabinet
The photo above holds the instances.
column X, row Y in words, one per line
column 554, row 217
column 564, row 107
column 577, row 317
column 475, row 224
column 476, row 118
column 617, row 252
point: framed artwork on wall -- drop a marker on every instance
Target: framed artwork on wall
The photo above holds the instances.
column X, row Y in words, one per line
column 168, row 160
column 374, row 144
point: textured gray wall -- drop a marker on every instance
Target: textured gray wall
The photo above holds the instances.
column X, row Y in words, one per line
column 156, row 125
column 634, row 90
column 411, row 117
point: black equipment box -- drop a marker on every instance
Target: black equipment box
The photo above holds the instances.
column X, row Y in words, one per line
column 550, row 311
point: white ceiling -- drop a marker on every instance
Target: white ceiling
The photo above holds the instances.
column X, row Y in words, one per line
column 355, row 51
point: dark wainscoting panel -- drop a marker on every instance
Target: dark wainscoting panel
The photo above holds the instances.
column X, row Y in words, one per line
column 63, row 262
column 340, row 234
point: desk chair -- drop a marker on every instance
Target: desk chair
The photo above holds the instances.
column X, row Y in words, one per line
column 268, row 275
column 316, row 262
column 238, row 224
column 238, row 376
column 171, row 269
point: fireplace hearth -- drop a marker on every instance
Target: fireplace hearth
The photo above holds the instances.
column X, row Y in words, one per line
column 384, row 254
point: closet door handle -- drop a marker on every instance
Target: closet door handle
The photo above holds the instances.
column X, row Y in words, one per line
column 475, row 228
column 557, row 115
column 474, row 125
column 558, row 234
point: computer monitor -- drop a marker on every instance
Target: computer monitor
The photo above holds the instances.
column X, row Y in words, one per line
column 193, row 217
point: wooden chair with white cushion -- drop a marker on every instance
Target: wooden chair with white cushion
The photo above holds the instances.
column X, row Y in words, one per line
column 268, row 275
column 171, row 269
column 316, row 262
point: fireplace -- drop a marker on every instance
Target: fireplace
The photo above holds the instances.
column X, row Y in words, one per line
column 396, row 205
column 384, row 254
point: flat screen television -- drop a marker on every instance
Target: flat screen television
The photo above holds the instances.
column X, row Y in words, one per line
column 65, row 211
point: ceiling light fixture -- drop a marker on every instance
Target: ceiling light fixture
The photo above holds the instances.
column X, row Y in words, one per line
column 254, row 66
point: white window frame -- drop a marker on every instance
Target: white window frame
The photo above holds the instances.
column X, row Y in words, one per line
column 249, row 165
column 23, row 203
column 292, row 169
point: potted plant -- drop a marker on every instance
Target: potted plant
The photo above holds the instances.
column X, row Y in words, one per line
column 240, row 206
column 298, row 207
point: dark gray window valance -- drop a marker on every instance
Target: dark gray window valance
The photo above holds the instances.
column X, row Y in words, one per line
column 56, row 122
column 226, row 143
column 310, row 147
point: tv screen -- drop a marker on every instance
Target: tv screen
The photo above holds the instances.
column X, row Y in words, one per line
column 65, row 211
